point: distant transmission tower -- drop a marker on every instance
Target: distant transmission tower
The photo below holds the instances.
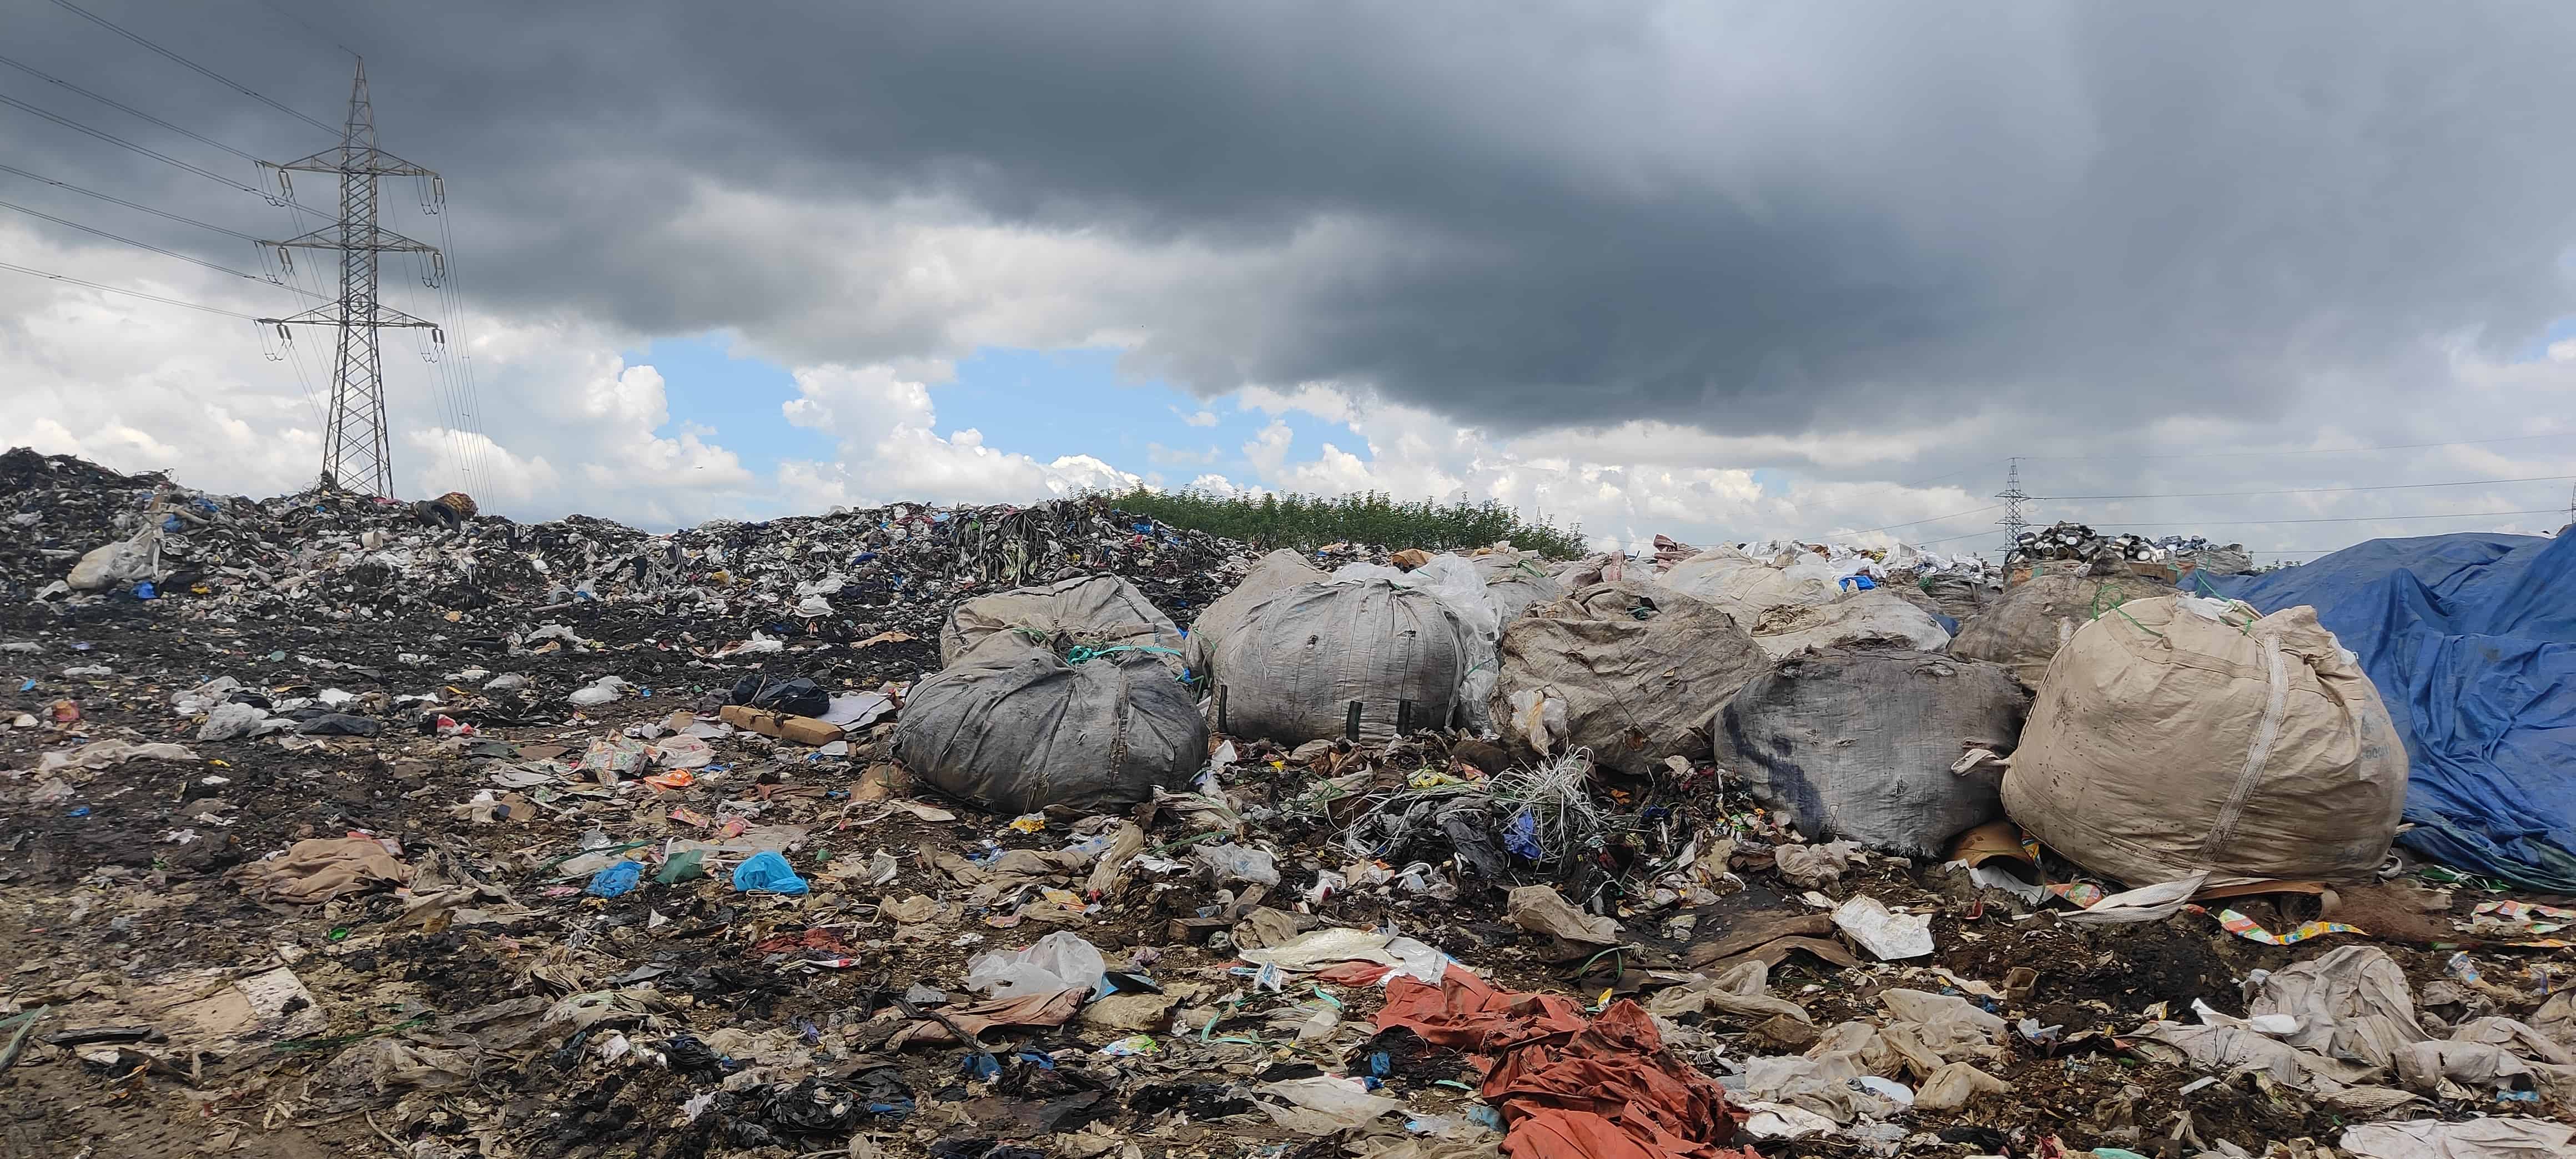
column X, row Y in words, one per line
column 2013, row 520
column 357, row 446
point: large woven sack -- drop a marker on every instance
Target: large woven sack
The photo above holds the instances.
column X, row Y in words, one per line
column 1873, row 616
column 2183, row 734
column 118, row 562
column 1096, row 611
column 1858, row 744
column 2025, row 628
column 1292, row 666
column 1957, row 596
column 1515, row 583
column 1745, row 587
column 1636, row 671
column 1461, row 584
column 1275, row 572
column 1019, row 732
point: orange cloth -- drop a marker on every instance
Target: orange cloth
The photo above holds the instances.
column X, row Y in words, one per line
column 1570, row 1088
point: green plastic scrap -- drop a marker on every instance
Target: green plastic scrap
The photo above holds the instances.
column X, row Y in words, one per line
column 1083, row 653
column 686, row 865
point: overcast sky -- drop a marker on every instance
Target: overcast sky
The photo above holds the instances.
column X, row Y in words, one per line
column 1715, row 270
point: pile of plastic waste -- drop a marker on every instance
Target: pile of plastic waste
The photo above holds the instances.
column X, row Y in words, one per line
column 1048, row 833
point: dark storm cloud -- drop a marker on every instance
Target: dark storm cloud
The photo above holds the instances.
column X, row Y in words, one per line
column 1744, row 217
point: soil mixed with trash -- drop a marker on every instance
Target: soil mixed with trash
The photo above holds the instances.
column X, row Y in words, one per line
column 331, row 830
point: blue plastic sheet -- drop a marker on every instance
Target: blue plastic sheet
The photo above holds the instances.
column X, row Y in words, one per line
column 766, row 872
column 2471, row 640
column 1522, row 837
column 616, row 880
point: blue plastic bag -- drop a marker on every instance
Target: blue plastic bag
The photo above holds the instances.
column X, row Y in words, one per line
column 767, row 872
column 146, row 591
column 1522, row 837
column 615, row 881
column 1859, row 583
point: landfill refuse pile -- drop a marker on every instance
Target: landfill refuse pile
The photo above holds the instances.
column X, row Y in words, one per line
column 2067, row 540
column 334, row 826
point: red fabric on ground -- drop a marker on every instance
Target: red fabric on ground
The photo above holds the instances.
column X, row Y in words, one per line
column 1464, row 1013
column 1570, row 1088
column 1355, row 973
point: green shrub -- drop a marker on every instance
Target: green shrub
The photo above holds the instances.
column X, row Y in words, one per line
column 1307, row 522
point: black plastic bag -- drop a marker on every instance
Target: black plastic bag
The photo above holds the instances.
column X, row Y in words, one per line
column 796, row 697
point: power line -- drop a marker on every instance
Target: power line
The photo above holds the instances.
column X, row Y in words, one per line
column 191, row 135
column 200, row 69
column 149, row 246
column 309, row 29
column 478, row 444
column 2337, row 519
column 2307, row 490
column 1935, row 519
column 128, row 204
column 113, row 139
column 2306, row 451
column 122, row 290
column 1944, row 475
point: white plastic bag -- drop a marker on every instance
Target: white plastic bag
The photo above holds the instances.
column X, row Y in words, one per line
column 1323, row 1104
column 597, row 692
column 205, row 696
column 1059, row 961
column 230, row 720
column 1231, row 864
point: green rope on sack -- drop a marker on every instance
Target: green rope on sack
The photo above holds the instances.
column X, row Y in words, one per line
column 2133, row 620
column 1084, row 653
column 2124, row 613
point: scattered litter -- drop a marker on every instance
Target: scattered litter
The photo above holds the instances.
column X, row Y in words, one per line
column 767, row 872
column 1892, row 936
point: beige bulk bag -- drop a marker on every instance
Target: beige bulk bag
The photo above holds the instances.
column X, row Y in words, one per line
column 1871, row 617
column 2183, row 734
column 1099, row 611
column 2025, row 628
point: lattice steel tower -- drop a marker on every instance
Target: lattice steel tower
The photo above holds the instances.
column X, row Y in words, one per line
column 2013, row 521
column 357, row 446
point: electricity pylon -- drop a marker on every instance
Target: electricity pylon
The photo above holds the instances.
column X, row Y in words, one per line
column 357, row 446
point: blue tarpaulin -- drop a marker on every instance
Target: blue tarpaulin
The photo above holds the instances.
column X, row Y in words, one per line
column 2471, row 640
